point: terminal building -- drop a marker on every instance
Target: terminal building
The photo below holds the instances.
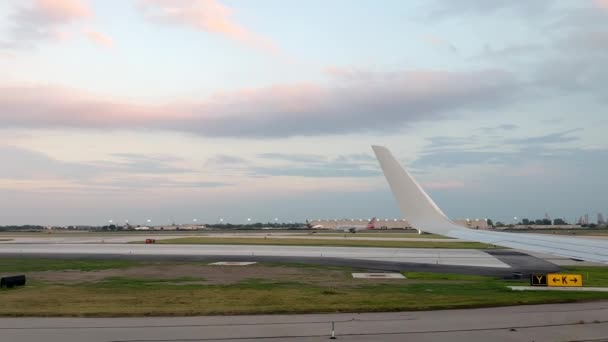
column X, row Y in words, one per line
column 473, row 223
column 388, row 223
column 377, row 224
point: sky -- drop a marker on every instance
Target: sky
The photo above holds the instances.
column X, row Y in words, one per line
column 172, row 111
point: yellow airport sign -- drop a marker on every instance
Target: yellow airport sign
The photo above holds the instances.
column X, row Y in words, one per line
column 569, row 280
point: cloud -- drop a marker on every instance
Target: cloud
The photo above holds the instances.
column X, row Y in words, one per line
column 360, row 157
column 590, row 42
column 208, row 16
column 446, row 8
column 28, row 171
column 298, row 158
column 439, row 42
column 349, row 73
column 316, row 172
column 145, row 164
column 384, row 101
column 21, row 164
column 317, row 166
column 552, row 138
column 99, row 38
column 499, row 128
column 453, row 158
column 150, row 182
column 223, row 159
column 43, row 20
column 456, row 151
column 444, row 185
column 601, row 4
column 513, row 51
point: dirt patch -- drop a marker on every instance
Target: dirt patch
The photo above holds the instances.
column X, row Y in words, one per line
column 212, row 275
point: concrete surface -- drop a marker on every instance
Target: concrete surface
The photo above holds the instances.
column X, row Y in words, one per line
column 67, row 238
column 464, row 257
column 563, row 261
column 553, row 288
column 555, row 322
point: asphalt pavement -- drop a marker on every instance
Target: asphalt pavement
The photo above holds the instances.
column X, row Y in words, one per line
column 554, row 322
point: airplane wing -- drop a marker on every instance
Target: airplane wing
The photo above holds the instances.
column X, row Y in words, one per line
column 422, row 213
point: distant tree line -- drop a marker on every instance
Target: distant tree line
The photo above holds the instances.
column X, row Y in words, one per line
column 114, row 227
column 21, row 228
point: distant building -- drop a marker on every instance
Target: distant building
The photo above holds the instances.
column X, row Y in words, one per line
column 378, row 224
column 543, row 226
column 473, row 223
column 581, row 221
column 600, row 219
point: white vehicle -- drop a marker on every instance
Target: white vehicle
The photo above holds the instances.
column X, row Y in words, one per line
column 423, row 214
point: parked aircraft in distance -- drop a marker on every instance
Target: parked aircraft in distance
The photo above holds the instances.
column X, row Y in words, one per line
column 347, row 228
column 353, row 228
column 316, row 226
column 423, row 214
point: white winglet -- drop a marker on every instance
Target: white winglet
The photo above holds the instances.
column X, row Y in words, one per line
column 423, row 214
column 417, row 206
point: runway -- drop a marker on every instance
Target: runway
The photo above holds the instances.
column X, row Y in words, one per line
column 495, row 262
column 437, row 256
column 109, row 238
column 555, row 322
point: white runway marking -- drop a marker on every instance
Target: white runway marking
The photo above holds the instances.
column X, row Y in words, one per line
column 233, row 263
column 378, row 276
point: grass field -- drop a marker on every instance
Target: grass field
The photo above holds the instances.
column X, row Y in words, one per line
column 318, row 242
column 273, row 288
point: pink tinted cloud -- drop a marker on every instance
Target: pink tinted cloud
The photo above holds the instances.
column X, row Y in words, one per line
column 602, row 4
column 99, row 38
column 61, row 10
column 42, row 20
column 439, row 42
column 444, row 185
column 208, row 16
column 380, row 102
